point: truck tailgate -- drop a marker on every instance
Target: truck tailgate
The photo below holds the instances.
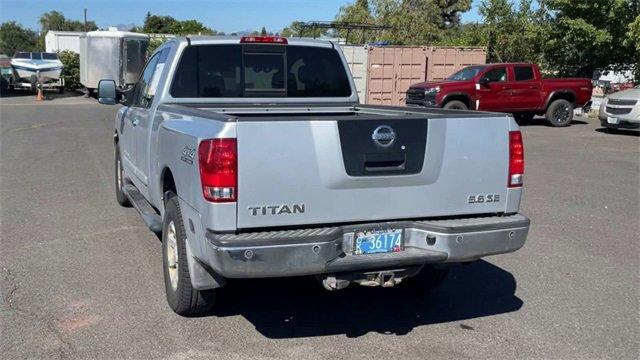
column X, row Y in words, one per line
column 298, row 170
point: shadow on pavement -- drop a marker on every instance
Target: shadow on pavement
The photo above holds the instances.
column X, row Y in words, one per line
column 300, row 307
column 48, row 95
column 604, row 130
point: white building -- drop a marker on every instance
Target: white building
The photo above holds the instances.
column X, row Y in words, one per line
column 56, row 41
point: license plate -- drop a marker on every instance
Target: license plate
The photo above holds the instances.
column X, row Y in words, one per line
column 378, row 241
column 612, row 120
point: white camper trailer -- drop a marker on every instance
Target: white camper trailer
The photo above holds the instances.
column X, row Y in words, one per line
column 115, row 55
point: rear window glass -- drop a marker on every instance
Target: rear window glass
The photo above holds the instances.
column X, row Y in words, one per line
column 254, row 71
column 36, row 56
column 523, row 73
column 22, row 55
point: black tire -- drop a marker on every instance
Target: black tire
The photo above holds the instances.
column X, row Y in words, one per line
column 34, row 83
column 120, row 181
column 455, row 105
column 182, row 297
column 524, row 117
column 61, row 90
column 427, row 279
column 560, row 113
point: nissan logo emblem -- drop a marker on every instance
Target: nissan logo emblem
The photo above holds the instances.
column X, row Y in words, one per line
column 383, row 135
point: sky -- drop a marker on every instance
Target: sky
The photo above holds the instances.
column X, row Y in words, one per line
column 222, row 15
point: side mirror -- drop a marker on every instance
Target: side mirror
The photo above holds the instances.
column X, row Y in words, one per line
column 484, row 81
column 107, row 92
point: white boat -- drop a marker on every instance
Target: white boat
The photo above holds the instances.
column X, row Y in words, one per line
column 30, row 68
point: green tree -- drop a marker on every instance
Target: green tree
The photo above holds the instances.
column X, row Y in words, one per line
column 191, row 27
column 71, row 70
column 153, row 45
column 633, row 40
column 13, row 38
column 450, row 11
column 55, row 20
column 295, row 29
column 512, row 33
column 263, row 31
column 156, row 24
column 356, row 13
column 412, row 22
column 585, row 36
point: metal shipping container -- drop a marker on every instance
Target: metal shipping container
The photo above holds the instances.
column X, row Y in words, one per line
column 56, row 41
column 444, row 61
column 356, row 56
column 393, row 69
column 115, row 55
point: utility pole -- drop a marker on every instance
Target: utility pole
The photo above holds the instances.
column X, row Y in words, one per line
column 85, row 19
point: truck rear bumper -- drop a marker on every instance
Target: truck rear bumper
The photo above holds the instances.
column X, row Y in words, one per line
column 330, row 249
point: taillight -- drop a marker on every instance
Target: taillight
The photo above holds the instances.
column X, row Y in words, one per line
column 516, row 159
column 263, row 40
column 218, row 159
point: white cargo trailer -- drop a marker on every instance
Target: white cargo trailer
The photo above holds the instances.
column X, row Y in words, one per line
column 56, row 41
column 115, row 55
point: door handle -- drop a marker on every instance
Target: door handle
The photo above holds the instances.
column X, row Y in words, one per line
column 134, row 121
column 533, row 87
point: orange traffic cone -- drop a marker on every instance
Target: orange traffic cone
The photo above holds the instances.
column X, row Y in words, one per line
column 39, row 96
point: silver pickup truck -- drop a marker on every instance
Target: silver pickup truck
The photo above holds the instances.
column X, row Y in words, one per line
column 253, row 157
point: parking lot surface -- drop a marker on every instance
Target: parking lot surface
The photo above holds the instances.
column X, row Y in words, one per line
column 81, row 277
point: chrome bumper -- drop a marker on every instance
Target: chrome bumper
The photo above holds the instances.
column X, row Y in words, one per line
column 329, row 249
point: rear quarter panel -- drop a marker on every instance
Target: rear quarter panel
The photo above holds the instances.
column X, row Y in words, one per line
column 579, row 87
column 179, row 134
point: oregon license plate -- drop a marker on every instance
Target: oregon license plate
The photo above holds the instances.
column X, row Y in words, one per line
column 378, row 241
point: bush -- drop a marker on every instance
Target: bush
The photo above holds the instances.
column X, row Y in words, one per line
column 71, row 71
column 153, row 45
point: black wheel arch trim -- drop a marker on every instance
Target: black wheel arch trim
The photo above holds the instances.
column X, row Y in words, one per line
column 554, row 96
column 449, row 97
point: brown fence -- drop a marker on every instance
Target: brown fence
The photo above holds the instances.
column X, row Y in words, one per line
column 391, row 70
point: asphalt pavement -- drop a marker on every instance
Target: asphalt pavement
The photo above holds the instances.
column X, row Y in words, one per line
column 81, row 277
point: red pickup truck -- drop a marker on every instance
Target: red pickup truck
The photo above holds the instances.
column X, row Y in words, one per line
column 516, row 88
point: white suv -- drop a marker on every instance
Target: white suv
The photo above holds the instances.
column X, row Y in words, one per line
column 621, row 110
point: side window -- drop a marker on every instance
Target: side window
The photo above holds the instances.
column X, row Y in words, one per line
column 497, row 74
column 146, row 87
column 523, row 73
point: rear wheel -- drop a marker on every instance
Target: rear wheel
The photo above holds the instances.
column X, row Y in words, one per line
column 120, row 180
column 427, row 279
column 560, row 113
column 181, row 296
column 455, row 105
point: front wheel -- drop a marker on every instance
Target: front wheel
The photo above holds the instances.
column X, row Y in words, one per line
column 560, row 113
column 455, row 105
column 181, row 296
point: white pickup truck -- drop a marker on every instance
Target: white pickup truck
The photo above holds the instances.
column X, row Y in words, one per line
column 253, row 157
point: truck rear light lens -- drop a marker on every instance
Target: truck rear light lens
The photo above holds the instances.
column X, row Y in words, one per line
column 516, row 159
column 218, row 159
column 263, row 40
